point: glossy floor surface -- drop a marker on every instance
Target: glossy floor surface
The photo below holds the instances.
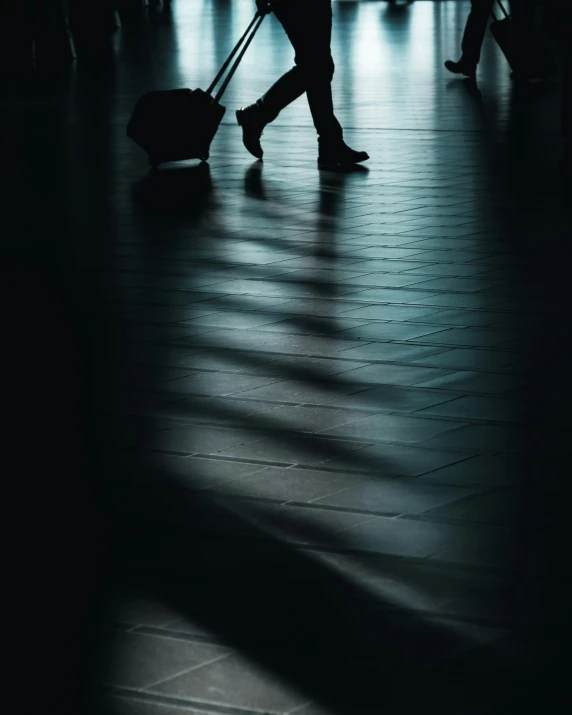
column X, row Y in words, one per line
column 325, row 415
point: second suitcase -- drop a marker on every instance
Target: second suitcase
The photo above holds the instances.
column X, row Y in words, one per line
column 537, row 63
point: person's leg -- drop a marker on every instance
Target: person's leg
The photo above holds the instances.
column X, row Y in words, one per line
column 309, row 28
column 283, row 92
column 309, row 31
column 256, row 116
column 475, row 30
column 473, row 37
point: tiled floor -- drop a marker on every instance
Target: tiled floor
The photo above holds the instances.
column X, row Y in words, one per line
column 349, row 391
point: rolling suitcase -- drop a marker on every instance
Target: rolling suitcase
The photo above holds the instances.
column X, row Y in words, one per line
column 538, row 62
column 180, row 124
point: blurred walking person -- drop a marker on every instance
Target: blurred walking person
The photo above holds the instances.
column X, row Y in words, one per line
column 473, row 37
column 528, row 55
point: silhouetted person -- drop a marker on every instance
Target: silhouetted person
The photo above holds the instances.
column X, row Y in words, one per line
column 473, row 37
column 309, row 28
column 524, row 40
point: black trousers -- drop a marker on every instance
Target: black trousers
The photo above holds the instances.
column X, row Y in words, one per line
column 308, row 25
column 522, row 13
column 475, row 29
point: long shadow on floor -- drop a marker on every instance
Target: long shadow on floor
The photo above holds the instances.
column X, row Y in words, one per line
column 295, row 616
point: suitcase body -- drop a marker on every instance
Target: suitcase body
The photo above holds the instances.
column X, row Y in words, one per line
column 501, row 30
column 537, row 63
column 175, row 125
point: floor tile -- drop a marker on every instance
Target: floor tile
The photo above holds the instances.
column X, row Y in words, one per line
column 482, row 469
column 400, row 496
column 140, row 660
column 478, row 408
column 297, row 485
column 393, row 428
column 403, row 537
column 235, row 679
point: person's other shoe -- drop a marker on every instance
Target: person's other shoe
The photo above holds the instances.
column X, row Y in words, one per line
column 462, row 67
column 339, row 156
column 252, row 127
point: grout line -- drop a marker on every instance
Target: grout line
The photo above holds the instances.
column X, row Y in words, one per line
column 187, row 670
column 177, row 702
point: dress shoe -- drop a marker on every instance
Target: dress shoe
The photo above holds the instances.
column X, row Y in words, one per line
column 339, row 155
column 252, row 127
column 461, row 67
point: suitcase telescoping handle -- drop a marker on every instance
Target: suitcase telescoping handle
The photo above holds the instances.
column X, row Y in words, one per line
column 256, row 22
column 504, row 12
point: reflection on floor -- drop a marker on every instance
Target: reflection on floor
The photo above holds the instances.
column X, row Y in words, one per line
column 366, row 366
